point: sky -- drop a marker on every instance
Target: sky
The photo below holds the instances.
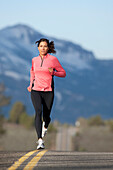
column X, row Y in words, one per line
column 88, row 23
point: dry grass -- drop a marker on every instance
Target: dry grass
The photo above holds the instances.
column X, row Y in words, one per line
column 18, row 138
column 88, row 138
column 94, row 138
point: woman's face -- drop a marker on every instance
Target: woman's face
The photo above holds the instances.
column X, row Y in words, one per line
column 43, row 48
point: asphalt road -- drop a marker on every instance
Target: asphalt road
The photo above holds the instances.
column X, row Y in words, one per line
column 56, row 160
column 64, row 138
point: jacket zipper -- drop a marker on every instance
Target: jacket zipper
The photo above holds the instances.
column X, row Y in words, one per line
column 41, row 62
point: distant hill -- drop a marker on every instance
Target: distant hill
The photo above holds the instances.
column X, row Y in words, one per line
column 85, row 91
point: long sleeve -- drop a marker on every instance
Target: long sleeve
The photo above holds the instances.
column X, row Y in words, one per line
column 32, row 74
column 60, row 72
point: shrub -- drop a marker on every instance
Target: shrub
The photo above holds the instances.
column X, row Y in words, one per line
column 51, row 128
column 96, row 121
column 16, row 111
column 110, row 123
column 2, row 130
column 18, row 115
column 26, row 120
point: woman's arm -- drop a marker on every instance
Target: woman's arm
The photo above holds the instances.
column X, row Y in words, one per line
column 59, row 71
column 32, row 74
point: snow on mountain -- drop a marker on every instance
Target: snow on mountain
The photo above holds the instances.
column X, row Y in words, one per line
column 19, row 32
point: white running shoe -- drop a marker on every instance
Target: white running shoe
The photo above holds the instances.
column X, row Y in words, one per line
column 40, row 144
column 44, row 130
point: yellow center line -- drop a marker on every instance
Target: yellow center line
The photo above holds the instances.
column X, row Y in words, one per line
column 35, row 160
column 22, row 159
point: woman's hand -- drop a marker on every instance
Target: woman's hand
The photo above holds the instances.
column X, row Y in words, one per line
column 50, row 69
column 29, row 89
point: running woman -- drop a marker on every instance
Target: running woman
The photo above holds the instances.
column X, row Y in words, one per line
column 44, row 68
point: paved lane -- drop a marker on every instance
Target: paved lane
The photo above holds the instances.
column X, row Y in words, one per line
column 76, row 161
column 56, row 160
column 64, row 138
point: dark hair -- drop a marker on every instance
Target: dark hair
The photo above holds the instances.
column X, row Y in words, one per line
column 49, row 44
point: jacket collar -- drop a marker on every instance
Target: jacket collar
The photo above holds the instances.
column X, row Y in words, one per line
column 45, row 55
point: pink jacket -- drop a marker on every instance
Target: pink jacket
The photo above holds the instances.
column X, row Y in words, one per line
column 40, row 75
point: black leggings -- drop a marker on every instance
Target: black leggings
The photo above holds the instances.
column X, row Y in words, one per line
column 42, row 100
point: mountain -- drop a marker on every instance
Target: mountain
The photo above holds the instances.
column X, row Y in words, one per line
column 84, row 92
